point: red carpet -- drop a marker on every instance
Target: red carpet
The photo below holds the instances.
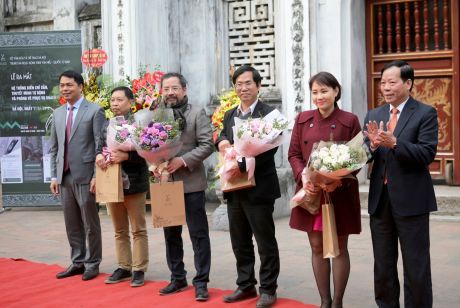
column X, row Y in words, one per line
column 28, row 284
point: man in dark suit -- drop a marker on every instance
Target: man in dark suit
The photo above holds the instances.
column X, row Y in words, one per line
column 401, row 193
column 74, row 134
column 250, row 211
column 188, row 167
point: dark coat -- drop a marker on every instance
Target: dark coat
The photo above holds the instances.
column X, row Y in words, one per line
column 309, row 128
column 135, row 167
column 409, row 182
column 267, row 186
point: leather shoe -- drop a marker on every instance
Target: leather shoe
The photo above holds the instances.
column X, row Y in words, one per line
column 90, row 274
column 174, row 287
column 201, row 294
column 266, row 300
column 239, row 295
column 72, row 270
column 138, row 279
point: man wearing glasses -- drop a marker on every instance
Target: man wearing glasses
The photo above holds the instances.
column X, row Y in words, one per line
column 188, row 167
column 250, row 211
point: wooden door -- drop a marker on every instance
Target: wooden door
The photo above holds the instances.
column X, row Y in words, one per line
column 424, row 33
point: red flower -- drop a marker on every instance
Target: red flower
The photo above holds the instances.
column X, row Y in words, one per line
column 62, row 100
column 148, row 77
column 157, row 76
column 135, row 85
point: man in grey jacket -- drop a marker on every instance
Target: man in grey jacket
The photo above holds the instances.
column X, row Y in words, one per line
column 188, row 167
column 74, row 134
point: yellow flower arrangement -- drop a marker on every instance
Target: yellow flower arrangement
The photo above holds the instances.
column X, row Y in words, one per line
column 97, row 90
column 228, row 100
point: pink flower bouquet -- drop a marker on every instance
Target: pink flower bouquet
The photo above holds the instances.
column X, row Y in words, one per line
column 118, row 134
column 258, row 135
column 156, row 140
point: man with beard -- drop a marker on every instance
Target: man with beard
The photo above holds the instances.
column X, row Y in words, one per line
column 188, row 167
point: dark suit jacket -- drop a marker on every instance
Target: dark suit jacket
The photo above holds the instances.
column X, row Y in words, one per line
column 409, row 182
column 267, row 186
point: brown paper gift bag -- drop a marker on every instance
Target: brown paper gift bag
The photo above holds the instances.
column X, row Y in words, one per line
column 109, row 184
column 310, row 203
column 168, row 204
column 239, row 182
column 330, row 240
column 236, row 183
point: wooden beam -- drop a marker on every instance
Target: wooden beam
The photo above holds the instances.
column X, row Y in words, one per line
column 28, row 19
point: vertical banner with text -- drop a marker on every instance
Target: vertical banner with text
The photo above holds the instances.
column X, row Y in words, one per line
column 30, row 64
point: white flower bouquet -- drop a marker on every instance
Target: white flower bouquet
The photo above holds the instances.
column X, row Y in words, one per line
column 329, row 163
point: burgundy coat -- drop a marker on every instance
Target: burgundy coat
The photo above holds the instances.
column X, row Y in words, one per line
column 309, row 128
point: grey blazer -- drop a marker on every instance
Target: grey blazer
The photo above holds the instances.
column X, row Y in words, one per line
column 197, row 146
column 82, row 145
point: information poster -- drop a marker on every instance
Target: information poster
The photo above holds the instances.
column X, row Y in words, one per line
column 30, row 65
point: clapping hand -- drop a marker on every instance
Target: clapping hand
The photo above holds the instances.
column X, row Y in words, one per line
column 386, row 138
column 373, row 133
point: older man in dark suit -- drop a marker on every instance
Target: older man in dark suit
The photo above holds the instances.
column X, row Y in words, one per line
column 401, row 193
column 250, row 211
column 188, row 167
column 74, row 134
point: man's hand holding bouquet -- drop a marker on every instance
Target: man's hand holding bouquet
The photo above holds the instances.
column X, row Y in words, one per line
column 252, row 137
column 157, row 138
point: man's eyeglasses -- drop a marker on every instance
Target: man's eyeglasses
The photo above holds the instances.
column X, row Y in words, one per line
column 240, row 85
column 174, row 89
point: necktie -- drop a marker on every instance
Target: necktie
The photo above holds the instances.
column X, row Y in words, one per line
column 391, row 128
column 68, row 130
column 393, row 119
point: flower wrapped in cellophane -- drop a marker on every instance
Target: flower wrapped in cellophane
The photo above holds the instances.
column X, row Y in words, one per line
column 156, row 137
column 330, row 162
column 118, row 139
column 252, row 137
column 119, row 133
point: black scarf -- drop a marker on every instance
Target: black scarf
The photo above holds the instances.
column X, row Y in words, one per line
column 179, row 110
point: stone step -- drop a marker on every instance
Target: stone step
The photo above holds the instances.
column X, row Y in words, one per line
column 447, row 198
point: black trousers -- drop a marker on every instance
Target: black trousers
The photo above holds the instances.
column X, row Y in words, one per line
column 247, row 219
column 198, row 228
column 413, row 233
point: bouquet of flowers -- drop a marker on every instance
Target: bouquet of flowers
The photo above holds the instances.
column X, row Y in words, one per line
column 146, row 91
column 118, row 134
column 228, row 100
column 156, row 137
column 330, row 162
column 97, row 90
column 251, row 138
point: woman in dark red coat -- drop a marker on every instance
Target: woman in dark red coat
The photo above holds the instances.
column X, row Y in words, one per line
column 326, row 123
